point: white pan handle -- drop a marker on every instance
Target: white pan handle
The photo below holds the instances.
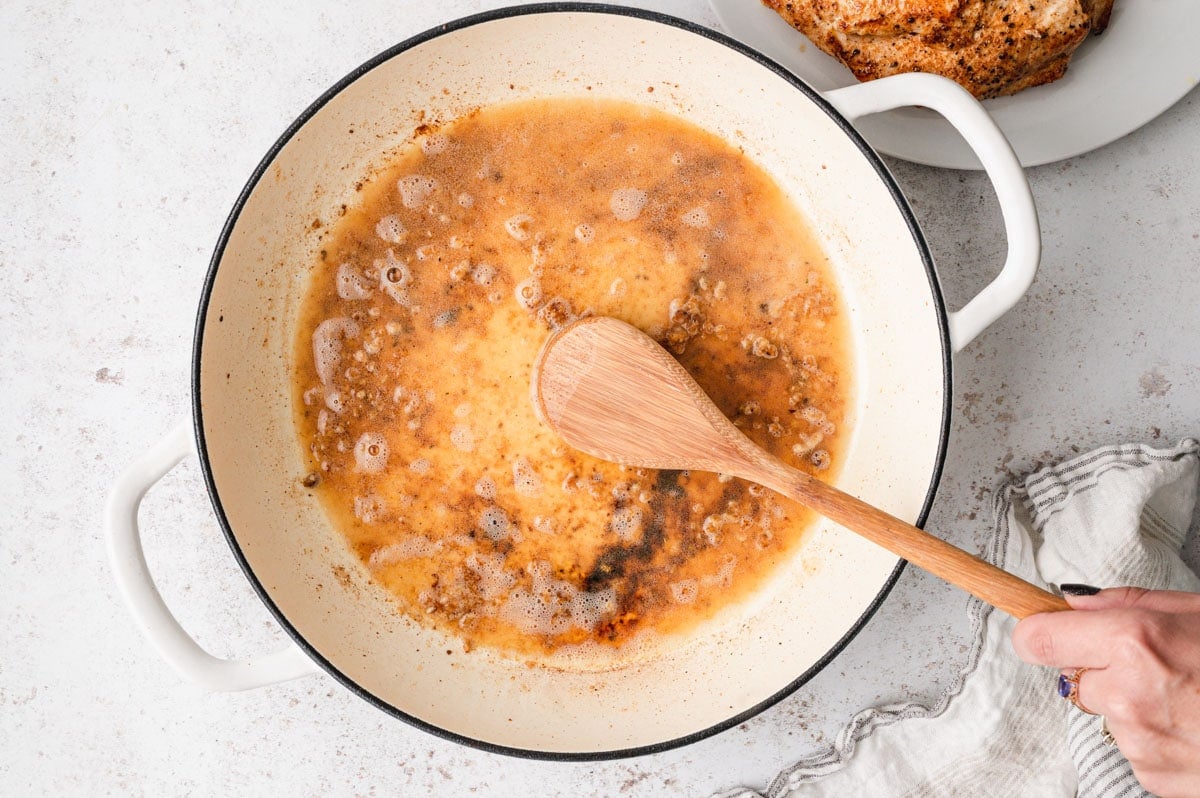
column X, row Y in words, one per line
column 146, row 605
column 999, row 161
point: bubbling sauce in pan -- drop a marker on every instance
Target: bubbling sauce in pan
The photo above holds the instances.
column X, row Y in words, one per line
column 427, row 311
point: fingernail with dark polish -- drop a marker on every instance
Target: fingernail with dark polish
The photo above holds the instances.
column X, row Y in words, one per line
column 1078, row 590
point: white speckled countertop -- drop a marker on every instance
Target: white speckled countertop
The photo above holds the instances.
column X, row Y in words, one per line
column 129, row 129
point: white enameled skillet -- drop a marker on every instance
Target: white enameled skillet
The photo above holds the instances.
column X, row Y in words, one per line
column 750, row 656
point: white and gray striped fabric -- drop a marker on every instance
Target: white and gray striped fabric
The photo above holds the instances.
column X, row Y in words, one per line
column 1115, row 516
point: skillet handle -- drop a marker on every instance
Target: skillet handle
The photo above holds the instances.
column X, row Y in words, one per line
column 970, row 119
column 146, row 605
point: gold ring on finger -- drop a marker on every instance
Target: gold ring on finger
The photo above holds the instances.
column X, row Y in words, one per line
column 1068, row 688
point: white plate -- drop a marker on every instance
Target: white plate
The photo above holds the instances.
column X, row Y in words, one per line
column 1146, row 60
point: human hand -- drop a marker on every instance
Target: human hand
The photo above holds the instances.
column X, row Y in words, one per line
column 1141, row 649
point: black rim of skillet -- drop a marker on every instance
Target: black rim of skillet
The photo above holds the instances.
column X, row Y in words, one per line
column 465, row 22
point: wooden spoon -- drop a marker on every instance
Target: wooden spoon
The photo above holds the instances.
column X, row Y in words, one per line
column 611, row 391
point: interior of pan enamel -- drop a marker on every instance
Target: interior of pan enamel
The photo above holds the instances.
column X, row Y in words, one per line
column 746, row 657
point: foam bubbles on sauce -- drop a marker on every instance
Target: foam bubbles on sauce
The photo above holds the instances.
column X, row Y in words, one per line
column 554, row 606
column 494, row 523
column 395, row 277
column 696, row 217
column 435, row 143
column 626, row 523
column 370, row 453
column 462, row 438
column 485, row 488
column 327, row 345
column 557, row 313
column 483, row 274
column 391, row 229
column 351, row 284
column 369, row 509
column 627, row 203
column 518, row 226
column 528, row 293
column 415, row 190
column 408, row 548
column 684, row 591
column 494, row 580
column 525, row 479
column 722, row 578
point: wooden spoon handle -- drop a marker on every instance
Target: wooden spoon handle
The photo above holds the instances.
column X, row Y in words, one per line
column 981, row 579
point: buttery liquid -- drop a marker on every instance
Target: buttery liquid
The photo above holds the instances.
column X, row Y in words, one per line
column 431, row 301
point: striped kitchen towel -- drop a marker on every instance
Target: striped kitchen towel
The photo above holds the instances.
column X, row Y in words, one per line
column 1115, row 516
